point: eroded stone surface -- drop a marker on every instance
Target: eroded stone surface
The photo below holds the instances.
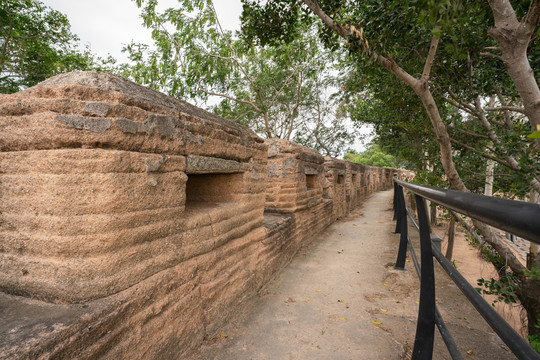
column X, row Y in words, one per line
column 96, row 108
column 295, row 176
column 98, row 125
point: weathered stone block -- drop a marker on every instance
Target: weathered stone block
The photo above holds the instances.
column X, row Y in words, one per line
column 295, row 175
column 92, row 205
column 335, row 185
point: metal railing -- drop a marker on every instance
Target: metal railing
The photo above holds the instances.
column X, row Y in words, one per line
column 517, row 217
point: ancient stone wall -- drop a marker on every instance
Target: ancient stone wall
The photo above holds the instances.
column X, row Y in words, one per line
column 132, row 225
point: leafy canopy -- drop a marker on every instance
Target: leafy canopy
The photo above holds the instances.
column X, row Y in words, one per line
column 277, row 89
column 36, row 43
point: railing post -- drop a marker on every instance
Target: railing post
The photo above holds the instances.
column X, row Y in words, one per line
column 425, row 327
column 437, row 241
column 394, row 204
column 397, row 207
column 401, row 228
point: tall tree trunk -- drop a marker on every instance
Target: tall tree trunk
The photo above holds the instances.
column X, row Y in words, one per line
column 488, row 189
column 513, row 37
column 451, row 236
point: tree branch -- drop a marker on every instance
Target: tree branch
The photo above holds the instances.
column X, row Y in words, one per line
column 507, row 118
column 389, row 65
column 465, row 146
column 255, row 107
column 533, row 15
column 430, row 58
column 471, row 133
column 460, row 104
column 285, row 83
column 508, row 108
column 6, row 39
column 296, row 104
column 493, row 56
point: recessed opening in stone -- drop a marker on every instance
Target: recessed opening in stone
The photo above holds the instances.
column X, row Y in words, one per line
column 311, row 181
column 341, row 179
column 354, row 178
column 204, row 191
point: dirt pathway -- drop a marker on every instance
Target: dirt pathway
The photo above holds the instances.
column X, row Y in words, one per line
column 341, row 299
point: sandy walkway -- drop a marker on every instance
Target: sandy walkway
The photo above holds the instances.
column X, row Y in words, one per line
column 340, row 299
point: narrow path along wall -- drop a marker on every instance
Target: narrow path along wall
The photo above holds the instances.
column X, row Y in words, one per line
column 133, row 224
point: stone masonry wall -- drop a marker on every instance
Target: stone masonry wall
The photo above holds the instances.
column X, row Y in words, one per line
column 134, row 225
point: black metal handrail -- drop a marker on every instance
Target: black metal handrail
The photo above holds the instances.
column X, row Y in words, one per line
column 518, row 217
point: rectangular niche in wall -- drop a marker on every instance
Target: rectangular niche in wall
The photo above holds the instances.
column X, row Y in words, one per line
column 312, row 178
column 311, row 181
column 212, row 188
column 341, row 179
column 212, row 182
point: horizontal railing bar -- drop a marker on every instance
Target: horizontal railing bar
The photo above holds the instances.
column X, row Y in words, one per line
column 445, row 333
column 517, row 217
column 413, row 219
column 511, row 338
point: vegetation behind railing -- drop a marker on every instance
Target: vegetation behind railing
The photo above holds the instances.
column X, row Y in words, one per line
column 517, row 217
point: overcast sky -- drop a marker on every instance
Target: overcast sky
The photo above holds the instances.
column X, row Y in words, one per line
column 108, row 25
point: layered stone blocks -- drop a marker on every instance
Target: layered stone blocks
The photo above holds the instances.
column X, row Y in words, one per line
column 334, row 185
column 294, row 200
column 106, row 183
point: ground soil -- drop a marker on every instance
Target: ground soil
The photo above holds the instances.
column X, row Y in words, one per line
column 469, row 263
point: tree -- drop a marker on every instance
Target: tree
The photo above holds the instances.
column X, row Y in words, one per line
column 36, row 43
column 403, row 39
column 514, row 38
column 272, row 89
column 372, row 156
column 325, row 125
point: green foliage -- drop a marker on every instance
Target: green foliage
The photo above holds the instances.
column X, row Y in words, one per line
column 402, row 31
column 534, row 340
column 396, row 116
column 532, row 274
column 278, row 28
column 535, row 135
column 36, row 43
column 505, row 289
column 373, row 156
column 327, row 132
column 279, row 89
